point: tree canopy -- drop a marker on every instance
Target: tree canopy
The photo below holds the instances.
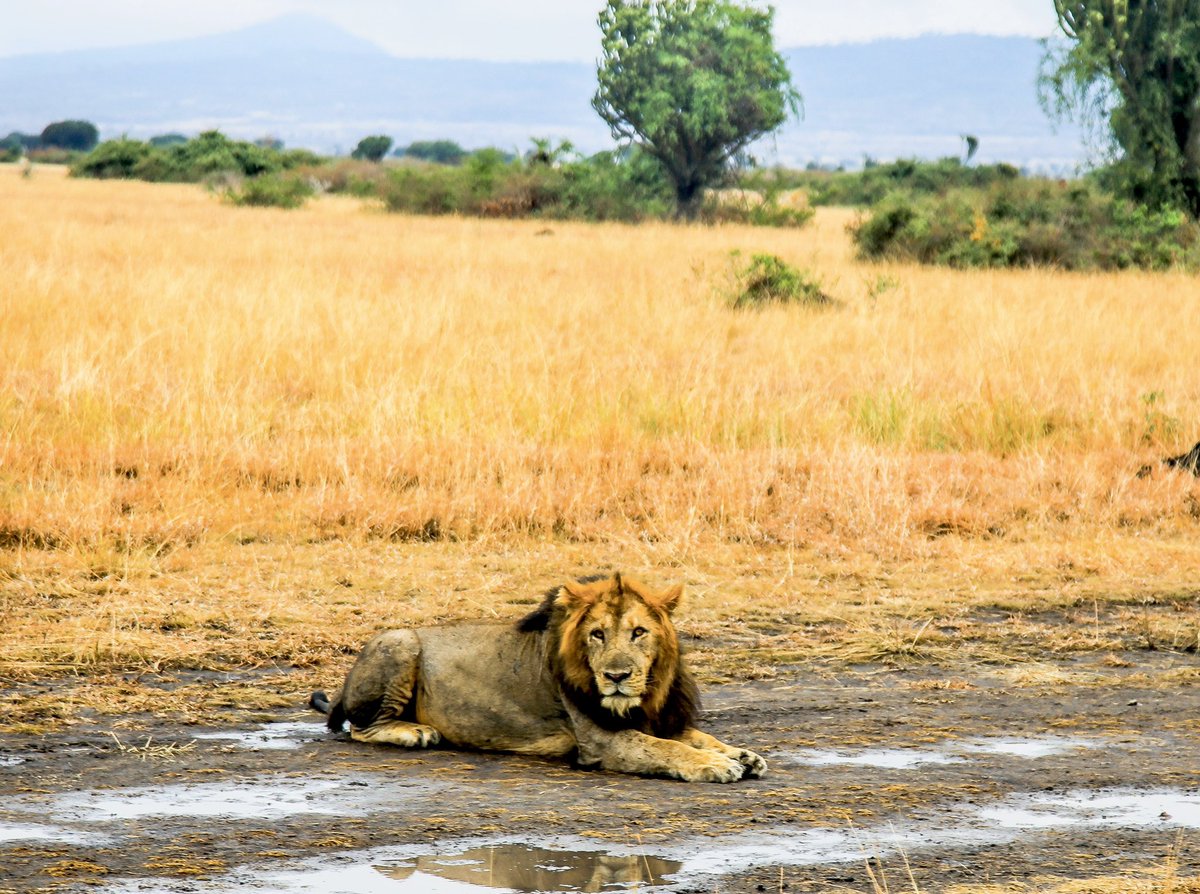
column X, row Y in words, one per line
column 1135, row 65
column 693, row 82
column 78, row 135
column 443, row 152
column 372, row 148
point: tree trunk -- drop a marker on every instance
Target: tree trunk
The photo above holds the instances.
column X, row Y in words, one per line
column 689, row 199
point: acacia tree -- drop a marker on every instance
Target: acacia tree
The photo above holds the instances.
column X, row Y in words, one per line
column 372, row 148
column 693, row 82
column 1135, row 64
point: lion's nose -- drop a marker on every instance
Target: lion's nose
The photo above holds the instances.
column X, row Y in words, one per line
column 618, row 678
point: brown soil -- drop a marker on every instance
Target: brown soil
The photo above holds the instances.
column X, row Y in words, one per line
column 1142, row 733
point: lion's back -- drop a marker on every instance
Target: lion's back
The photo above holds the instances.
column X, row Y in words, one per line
column 489, row 686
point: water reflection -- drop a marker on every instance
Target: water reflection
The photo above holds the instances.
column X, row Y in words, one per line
column 533, row 869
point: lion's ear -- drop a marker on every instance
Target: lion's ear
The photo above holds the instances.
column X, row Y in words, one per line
column 573, row 594
column 671, row 597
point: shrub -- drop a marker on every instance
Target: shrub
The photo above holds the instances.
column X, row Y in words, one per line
column 114, row 159
column 767, row 279
column 442, row 152
column 774, row 208
column 271, row 190
column 1025, row 223
column 870, row 185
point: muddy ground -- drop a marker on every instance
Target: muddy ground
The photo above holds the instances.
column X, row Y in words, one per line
column 969, row 778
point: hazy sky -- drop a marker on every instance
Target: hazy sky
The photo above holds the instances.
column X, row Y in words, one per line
column 484, row 29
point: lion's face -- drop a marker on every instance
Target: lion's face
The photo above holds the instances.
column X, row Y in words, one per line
column 619, row 642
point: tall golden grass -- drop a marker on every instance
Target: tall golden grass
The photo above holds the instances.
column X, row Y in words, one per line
column 174, row 370
column 234, row 436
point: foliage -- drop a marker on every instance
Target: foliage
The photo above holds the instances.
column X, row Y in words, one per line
column 167, row 139
column 278, row 190
column 114, row 159
column 25, row 141
column 372, row 148
column 1135, row 66
column 768, row 279
column 209, row 155
column 442, row 152
column 550, row 182
column 693, row 83
column 80, row 136
column 874, row 181
column 1028, row 223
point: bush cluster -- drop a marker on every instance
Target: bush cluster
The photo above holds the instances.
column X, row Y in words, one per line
column 1023, row 223
column 876, row 181
column 207, row 156
column 490, row 183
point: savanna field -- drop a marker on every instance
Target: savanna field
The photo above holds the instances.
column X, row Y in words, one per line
column 239, row 437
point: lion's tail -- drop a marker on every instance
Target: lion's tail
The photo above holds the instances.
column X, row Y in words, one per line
column 335, row 716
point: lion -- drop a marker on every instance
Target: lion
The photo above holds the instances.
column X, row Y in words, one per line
column 594, row 672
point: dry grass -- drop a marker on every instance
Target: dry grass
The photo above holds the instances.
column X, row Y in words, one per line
column 239, row 436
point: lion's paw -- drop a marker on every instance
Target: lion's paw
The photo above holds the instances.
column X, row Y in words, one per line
column 754, row 764
column 427, row 737
column 711, row 767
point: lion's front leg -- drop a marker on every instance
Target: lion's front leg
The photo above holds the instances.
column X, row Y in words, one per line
column 630, row 751
column 753, row 763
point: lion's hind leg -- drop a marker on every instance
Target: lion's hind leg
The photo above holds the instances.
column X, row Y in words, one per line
column 755, row 766
column 378, row 694
column 397, row 732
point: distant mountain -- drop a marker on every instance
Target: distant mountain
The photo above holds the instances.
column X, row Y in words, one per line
column 312, row 84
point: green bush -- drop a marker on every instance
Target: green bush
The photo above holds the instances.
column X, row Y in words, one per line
column 271, row 190
column 442, row 152
column 491, row 183
column 1025, row 223
column 207, row 156
column 870, row 185
column 114, row 159
column 767, row 279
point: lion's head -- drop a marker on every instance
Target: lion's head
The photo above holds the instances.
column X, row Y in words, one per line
column 616, row 651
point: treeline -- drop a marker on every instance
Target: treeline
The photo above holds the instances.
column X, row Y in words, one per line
column 58, row 143
column 943, row 212
column 434, row 177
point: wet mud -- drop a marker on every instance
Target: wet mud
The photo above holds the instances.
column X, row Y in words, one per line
column 964, row 778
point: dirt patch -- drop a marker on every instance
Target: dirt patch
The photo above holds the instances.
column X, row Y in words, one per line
column 971, row 779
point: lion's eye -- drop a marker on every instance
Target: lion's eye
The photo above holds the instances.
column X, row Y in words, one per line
column 638, row 632
column 598, row 635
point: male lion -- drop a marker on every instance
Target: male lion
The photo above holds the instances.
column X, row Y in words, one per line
column 595, row 670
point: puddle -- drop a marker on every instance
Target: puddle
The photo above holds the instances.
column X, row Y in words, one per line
column 949, row 753
column 883, row 758
column 1113, row 810
column 8, row 760
column 567, row 864
column 271, row 737
column 12, row 832
column 264, row 798
column 517, row 867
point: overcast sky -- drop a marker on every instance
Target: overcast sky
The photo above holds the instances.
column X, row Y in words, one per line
column 482, row 29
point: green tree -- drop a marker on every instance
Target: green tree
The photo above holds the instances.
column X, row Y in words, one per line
column 372, row 148
column 167, row 139
column 78, row 135
column 442, row 152
column 1135, row 65
column 693, row 82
